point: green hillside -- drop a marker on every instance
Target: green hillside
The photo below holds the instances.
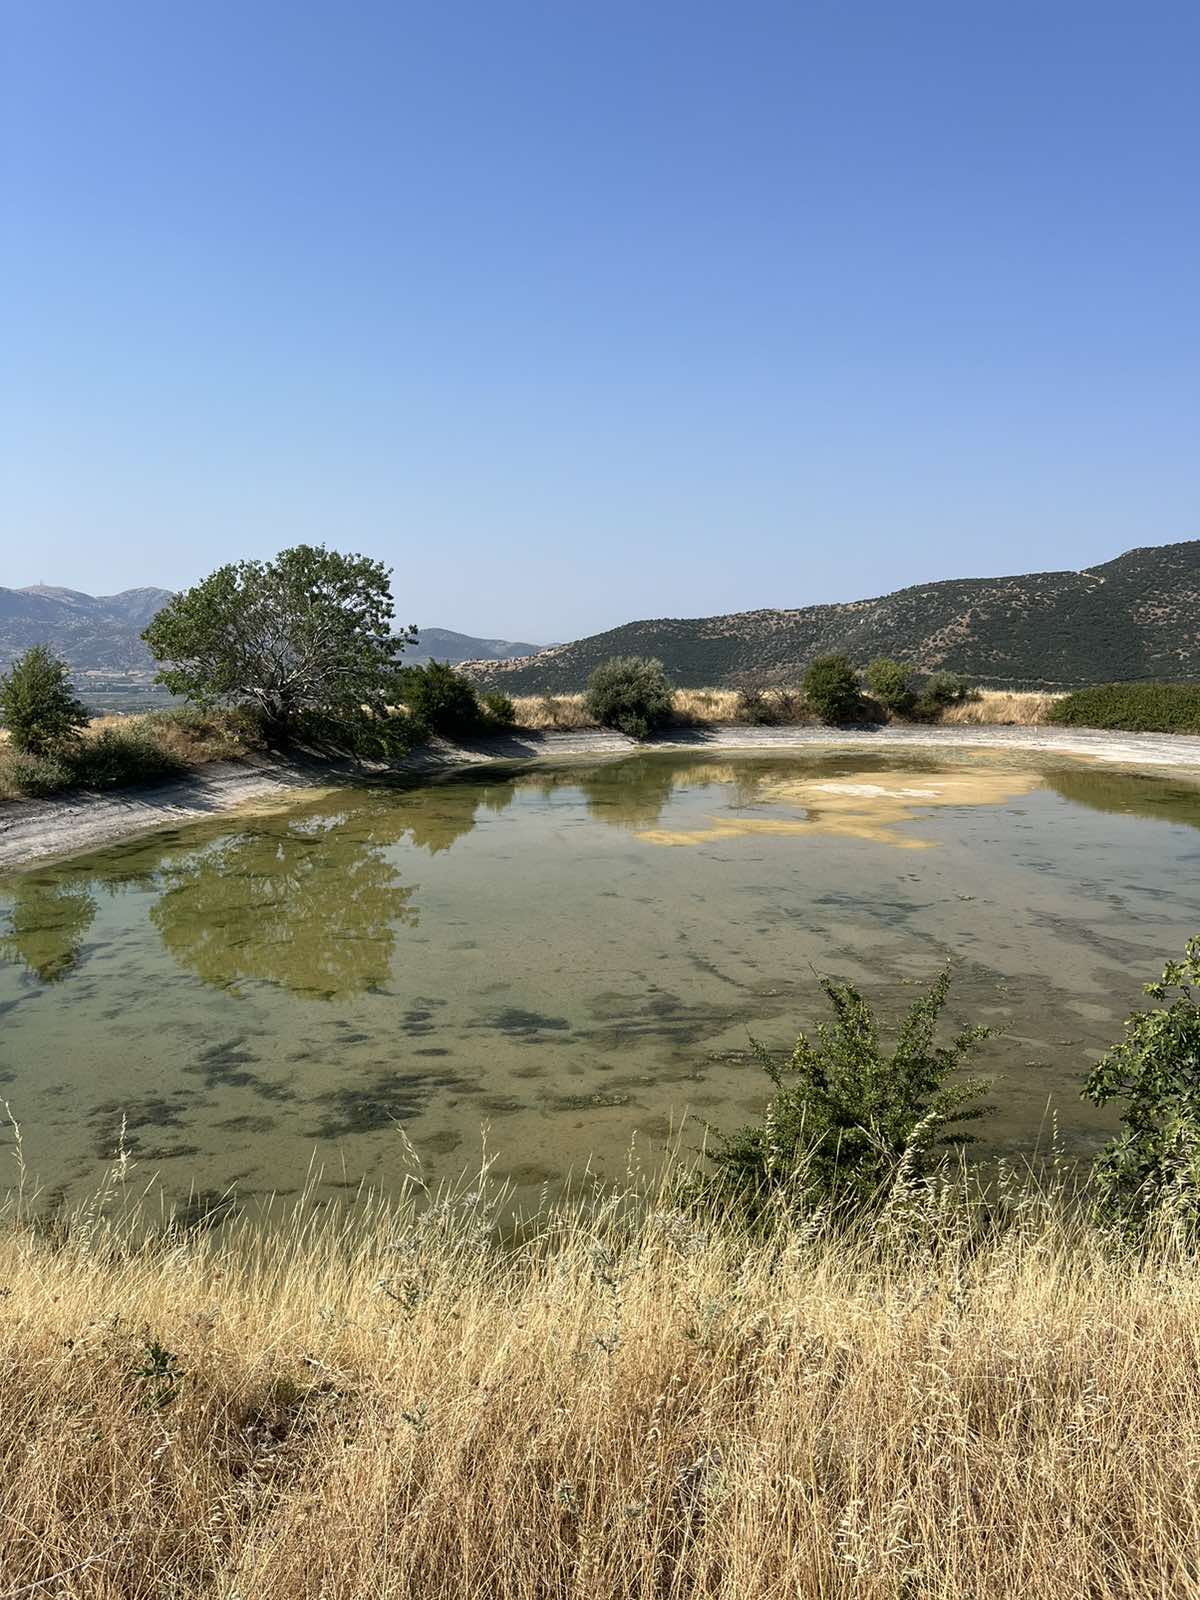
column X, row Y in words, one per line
column 1135, row 617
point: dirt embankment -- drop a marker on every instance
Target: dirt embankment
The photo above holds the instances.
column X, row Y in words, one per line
column 37, row 830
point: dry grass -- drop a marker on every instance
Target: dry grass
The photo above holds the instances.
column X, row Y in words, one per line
column 566, row 711
column 614, row 1408
column 183, row 738
column 1003, row 707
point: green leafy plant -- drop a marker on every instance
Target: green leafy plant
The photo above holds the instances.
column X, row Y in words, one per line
column 1153, row 1166
column 942, row 689
column 160, row 1375
column 630, row 693
column 891, row 684
column 1133, row 707
column 831, row 688
column 847, row 1114
column 120, row 756
column 307, row 633
column 499, row 710
column 440, row 698
column 38, row 705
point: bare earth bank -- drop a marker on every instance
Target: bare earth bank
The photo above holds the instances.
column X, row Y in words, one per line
column 35, row 830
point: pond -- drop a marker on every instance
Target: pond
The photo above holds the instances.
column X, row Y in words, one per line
column 571, row 955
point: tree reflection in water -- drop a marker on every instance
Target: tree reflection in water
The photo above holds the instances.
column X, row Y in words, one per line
column 309, row 903
column 47, row 918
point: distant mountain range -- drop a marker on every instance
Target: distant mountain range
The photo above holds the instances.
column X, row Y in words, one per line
column 99, row 634
column 443, row 644
column 1135, row 617
column 92, row 633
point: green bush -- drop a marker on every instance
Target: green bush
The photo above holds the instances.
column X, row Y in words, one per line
column 847, row 1117
column 939, row 690
column 121, row 756
column 1132, row 707
column 499, row 709
column 831, row 689
column 440, row 698
column 25, row 774
column 767, row 708
column 630, row 693
column 38, row 705
column 891, row 684
column 115, row 758
column 1152, row 1169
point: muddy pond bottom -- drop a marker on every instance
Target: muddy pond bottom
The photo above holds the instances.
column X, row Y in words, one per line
column 573, row 957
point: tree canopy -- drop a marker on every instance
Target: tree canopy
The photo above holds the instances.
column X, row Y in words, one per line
column 309, row 632
column 38, row 705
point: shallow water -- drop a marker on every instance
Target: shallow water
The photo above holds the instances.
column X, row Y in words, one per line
column 571, row 955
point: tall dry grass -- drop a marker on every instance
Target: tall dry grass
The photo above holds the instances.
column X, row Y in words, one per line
column 621, row 1404
column 1004, row 707
column 567, row 711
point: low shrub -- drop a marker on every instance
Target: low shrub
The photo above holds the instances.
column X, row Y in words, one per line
column 1132, row 707
column 35, row 776
column 891, row 684
column 631, row 694
column 440, row 698
column 499, row 709
column 832, row 690
column 847, row 1117
column 940, row 691
column 122, row 755
column 1151, row 1170
column 768, row 707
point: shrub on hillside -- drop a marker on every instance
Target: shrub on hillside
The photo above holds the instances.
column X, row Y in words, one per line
column 38, row 705
column 832, row 690
column 1152, row 1169
column 891, row 684
column 631, row 694
column 1132, row 707
column 440, row 698
column 848, row 1116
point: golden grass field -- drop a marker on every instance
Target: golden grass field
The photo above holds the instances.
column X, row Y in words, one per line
column 566, row 711
column 627, row 1403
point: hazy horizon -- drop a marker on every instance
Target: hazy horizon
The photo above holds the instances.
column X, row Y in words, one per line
column 577, row 317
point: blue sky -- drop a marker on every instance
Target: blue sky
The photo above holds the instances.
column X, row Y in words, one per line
column 576, row 313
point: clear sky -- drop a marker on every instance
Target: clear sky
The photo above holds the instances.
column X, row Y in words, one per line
column 580, row 312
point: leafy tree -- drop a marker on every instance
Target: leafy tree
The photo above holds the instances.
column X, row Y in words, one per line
column 846, row 1113
column 831, row 689
column 630, row 693
column 1154, row 1072
column 309, row 633
column 891, row 684
column 38, row 705
column 440, row 698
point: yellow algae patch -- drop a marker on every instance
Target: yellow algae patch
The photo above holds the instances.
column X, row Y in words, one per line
column 869, row 805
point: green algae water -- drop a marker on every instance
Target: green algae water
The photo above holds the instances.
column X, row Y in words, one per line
column 571, row 957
